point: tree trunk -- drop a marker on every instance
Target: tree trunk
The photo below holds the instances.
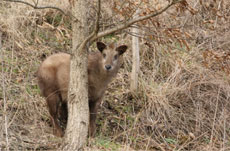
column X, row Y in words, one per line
column 78, row 109
column 135, row 57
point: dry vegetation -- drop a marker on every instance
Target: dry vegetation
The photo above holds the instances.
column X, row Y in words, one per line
column 183, row 100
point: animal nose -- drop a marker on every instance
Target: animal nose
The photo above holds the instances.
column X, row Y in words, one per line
column 108, row 67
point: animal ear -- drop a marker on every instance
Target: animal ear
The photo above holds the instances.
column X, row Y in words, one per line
column 121, row 49
column 101, row 46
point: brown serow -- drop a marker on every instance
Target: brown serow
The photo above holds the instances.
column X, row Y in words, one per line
column 53, row 80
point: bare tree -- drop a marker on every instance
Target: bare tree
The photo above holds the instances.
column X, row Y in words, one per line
column 78, row 109
column 76, row 132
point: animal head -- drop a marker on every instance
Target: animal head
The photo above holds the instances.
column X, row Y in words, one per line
column 111, row 55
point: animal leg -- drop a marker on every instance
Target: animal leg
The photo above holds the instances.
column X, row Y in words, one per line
column 53, row 102
column 93, row 107
column 63, row 114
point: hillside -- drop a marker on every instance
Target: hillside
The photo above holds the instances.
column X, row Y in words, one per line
column 183, row 98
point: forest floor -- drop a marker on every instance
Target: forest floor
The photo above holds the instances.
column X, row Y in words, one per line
column 182, row 102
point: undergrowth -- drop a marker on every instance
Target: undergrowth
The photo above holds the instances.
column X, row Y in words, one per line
column 182, row 102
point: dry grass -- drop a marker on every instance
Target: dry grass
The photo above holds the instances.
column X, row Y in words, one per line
column 182, row 102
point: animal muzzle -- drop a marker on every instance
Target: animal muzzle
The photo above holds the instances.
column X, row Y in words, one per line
column 108, row 67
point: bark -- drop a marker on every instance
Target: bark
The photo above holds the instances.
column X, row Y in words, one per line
column 78, row 110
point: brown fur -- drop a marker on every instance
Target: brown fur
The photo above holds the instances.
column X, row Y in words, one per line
column 53, row 80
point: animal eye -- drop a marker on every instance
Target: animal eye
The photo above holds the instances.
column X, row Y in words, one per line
column 115, row 57
column 104, row 55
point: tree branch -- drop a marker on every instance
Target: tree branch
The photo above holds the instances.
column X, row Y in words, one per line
column 39, row 7
column 132, row 21
column 98, row 16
